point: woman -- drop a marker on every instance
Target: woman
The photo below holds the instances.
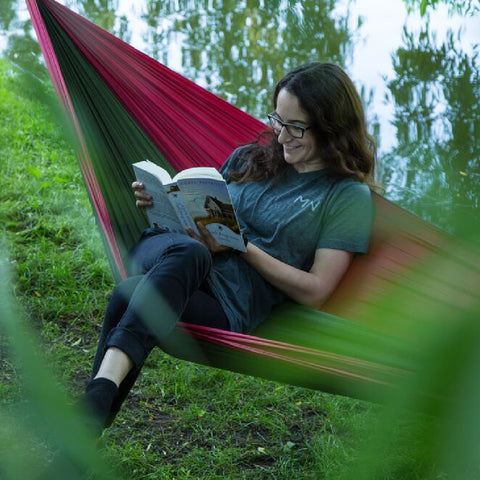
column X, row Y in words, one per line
column 304, row 204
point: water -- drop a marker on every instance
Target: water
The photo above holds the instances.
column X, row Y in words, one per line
column 418, row 75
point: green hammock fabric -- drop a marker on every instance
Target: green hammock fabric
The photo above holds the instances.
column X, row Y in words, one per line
column 125, row 107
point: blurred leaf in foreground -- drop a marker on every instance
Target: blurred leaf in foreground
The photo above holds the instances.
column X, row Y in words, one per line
column 41, row 420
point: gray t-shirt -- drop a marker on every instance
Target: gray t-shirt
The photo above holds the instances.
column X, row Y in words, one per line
column 289, row 219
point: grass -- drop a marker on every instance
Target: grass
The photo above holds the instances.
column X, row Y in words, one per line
column 182, row 420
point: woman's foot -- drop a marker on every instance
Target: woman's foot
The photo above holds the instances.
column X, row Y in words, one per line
column 97, row 403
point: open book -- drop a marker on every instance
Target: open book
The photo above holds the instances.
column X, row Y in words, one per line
column 194, row 195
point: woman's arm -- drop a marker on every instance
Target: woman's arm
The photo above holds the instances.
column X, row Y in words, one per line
column 309, row 288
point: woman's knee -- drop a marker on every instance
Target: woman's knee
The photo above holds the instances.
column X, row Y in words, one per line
column 119, row 299
column 188, row 259
column 152, row 250
column 193, row 250
column 182, row 249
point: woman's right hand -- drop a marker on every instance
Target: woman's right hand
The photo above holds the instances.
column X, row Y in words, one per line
column 143, row 199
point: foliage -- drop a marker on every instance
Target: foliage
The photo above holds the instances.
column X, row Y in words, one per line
column 445, row 443
column 435, row 169
column 464, row 7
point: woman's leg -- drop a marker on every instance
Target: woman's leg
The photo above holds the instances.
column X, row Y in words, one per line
column 202, row 309
column 175, row 267
column 149, row 307
column 117, row 305
column 100, row 394
column 115, row 366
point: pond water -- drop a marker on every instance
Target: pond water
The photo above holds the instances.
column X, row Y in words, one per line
column 418, row 74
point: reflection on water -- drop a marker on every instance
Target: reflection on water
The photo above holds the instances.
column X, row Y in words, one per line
column 239, row 49
column 422, row 96
column 7, row 14
column 436, row 93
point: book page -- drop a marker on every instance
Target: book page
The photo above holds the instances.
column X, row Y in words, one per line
column 208, row 201
column 162, row 213
column 151, row 167
column 176, row 200
column 199, row 172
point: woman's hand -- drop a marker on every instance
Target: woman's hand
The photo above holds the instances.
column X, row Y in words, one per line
column 207, row 239
column 143, row 199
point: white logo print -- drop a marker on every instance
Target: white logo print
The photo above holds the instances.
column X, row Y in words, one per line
column 307, row 203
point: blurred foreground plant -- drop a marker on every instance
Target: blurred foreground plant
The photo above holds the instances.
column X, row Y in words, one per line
column 440, row 401
column 41, row 421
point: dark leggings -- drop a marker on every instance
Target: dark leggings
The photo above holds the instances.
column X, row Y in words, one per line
column 142, row 310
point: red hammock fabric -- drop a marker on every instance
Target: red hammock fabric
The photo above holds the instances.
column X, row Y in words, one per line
column 162, row 102
column 191, row 126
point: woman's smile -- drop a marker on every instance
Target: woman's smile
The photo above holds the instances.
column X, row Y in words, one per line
column 301, row 153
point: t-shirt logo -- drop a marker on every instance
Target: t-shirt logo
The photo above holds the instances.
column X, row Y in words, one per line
column 307, row 203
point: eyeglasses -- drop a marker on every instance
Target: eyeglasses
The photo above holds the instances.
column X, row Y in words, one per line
column 296, row 131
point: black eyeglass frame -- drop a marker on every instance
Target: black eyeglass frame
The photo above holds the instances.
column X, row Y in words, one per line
column 273, row 118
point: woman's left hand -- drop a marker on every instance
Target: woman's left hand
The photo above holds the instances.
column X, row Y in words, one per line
column 207, row 239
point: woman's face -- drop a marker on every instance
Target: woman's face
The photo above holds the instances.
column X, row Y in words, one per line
column 300, row 153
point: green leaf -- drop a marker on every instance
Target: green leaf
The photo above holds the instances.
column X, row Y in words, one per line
column 34, row 172
column 423, row 7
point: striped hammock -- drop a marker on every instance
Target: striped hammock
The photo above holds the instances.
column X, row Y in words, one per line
column 125, row 107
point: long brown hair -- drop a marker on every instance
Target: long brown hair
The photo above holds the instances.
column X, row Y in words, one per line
column 336, row 115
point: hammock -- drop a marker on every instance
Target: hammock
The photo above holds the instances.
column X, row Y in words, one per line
column 125, row 107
